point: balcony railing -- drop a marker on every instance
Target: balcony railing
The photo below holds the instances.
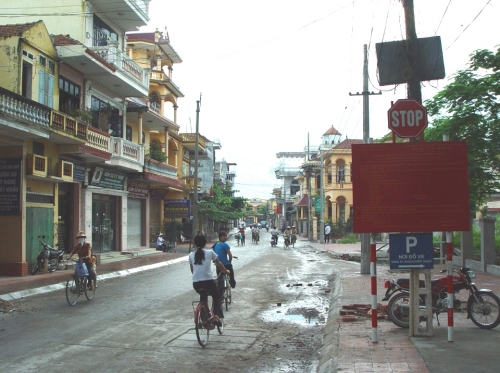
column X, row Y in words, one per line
column 67, row 124
column 127, row 149
column 115, row 56
column 22, row 108
column 163, row 169
column 98, row 139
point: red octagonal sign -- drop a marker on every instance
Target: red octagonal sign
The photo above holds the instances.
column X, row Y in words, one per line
column 407, row 118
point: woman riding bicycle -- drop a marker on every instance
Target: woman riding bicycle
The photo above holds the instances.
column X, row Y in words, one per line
column 200, row 264
column 85, row 252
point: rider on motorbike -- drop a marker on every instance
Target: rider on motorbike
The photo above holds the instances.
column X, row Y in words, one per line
column 287, row 234
column 294, row 234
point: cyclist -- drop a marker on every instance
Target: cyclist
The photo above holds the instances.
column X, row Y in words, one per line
column 242, row 232
column 275, row 234
column 200, row 265
column 294, row 235
column 225, row 256
column 85, row 252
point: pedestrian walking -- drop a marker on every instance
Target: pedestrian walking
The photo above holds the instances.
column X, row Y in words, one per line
column 327, row 233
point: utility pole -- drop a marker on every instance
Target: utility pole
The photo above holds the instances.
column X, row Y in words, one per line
column 365, row 237
column 195, row 191
column 413, row 87
column 321, row 194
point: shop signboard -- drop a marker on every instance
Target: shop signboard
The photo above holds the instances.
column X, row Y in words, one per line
column 10, row 186
column 78, row 169
column 108, row 179
column 137, row 189
column 177, row 208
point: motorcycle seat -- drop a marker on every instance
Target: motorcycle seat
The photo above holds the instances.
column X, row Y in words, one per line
column 405, row 282
column 55, row 253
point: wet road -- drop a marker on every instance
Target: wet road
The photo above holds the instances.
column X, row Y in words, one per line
column 144, row 323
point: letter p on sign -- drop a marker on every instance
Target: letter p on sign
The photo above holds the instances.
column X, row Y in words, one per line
column 411, row 241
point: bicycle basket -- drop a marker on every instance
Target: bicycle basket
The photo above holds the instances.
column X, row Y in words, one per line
column 81, row 269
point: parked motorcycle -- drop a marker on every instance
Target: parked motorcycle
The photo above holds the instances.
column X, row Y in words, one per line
column 483, row 306
column 54, row 258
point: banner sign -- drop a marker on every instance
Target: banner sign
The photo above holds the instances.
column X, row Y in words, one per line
column 10, row 186
column 178, row 208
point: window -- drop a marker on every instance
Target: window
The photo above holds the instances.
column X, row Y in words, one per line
column 329, row 178
column 128, row 134
column 42, row 60
column 27, row 78
column 105, row 117
column 341, row 173
column 28, row 54
column 38, row 148
column 102, row 32
column 52, row 66
column 69, row 95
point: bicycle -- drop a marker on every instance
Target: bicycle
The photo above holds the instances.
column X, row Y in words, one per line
column 77, row 286
column 203, row 317
column 226, row 297
column 287, row 242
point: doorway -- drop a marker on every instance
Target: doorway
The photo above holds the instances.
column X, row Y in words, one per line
column 103, row 222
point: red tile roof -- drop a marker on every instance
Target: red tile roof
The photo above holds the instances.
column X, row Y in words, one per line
column 15, row 30
column 347, row 143
column 332, row 131
column 61, row 40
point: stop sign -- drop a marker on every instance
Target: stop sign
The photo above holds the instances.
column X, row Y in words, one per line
column 407, row 118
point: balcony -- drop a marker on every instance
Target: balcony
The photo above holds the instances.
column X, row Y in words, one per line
column 96, row 149
column 161, row 174
column 66, row 129
column 22, row 118
column 106, row 65
column 126, row 14
column 127, row 70
column 286, row 172
column 162, row 78
column 126, row 155
column 189, row 142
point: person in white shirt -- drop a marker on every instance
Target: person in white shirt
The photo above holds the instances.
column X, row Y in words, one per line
column 327, row 233
column 200, row 264
column 160, row 243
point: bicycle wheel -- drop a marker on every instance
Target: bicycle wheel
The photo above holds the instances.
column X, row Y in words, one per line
column 72, row 290
column 484, row 309
column 229, row 299
column 398, row 310
column 220, row 329
column 89, row 294
column 202, row 333
column 35, row 267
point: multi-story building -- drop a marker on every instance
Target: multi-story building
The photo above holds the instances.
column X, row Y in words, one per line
column 86, row 134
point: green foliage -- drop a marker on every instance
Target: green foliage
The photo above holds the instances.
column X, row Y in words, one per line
column 221, row 207
column 350, row 238
column 468, row 109
column 262, row 210
column 476, row 238
column 83, row 115
column 156, row 153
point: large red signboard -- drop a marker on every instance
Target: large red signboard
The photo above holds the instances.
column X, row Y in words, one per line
column 410, row 187
column 408, row 118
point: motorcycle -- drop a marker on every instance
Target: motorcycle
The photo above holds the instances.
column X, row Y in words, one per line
column 274, row 240
column 483, row 306
column 54, row 258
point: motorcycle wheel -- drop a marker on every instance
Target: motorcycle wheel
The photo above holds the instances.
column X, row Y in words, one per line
column 35, row 267
column 398, row 310
column 52, row 266
column 484, row 309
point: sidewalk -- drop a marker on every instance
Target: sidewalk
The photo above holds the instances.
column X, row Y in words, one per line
column 112, row 264
column 348, row 345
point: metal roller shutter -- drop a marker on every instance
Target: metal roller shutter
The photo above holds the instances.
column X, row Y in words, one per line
column 134, row 223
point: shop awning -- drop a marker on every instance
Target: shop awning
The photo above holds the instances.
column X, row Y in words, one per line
column 304, row 201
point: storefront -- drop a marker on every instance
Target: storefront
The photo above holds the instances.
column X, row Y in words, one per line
column 136, row 206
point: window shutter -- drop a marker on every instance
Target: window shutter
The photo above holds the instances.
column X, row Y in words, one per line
column 50, row 92
column 41, row 86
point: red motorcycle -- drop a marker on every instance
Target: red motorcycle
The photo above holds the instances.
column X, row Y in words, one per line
column 483, row 307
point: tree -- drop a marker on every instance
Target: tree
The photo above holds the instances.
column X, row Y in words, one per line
column 468, row 109
column 221, row 207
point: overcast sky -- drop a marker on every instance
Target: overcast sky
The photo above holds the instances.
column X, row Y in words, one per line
column 273, row 71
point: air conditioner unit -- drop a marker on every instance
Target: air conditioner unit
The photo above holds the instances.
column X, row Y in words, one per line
column 36, row 165
column 64, row 170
